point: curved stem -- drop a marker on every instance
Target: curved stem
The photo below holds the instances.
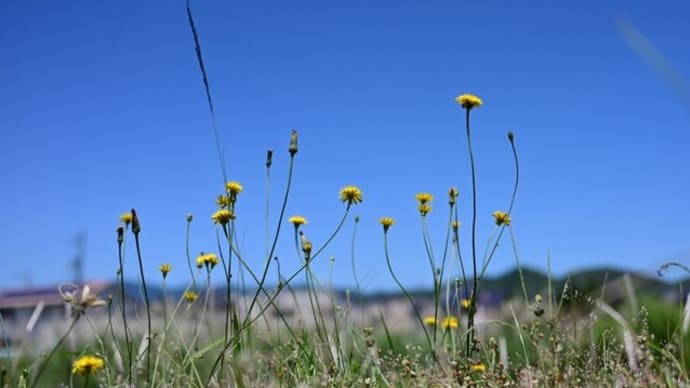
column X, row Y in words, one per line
column 473, row 296
column 407, row 294
column 43, row 365
column 148, row 309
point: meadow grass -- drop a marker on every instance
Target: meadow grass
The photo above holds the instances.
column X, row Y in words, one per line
column 261, row 336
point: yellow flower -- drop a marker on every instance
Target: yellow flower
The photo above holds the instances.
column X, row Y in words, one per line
column 386, row 222
column 351, row 195
column 297, row 221
column 85, row 365
column 424, row 198
column 502, row 218
column 479, row 368
column 165, row 268
column 222, row 201
column 468, row 101
column 450, row 323
column 126, row 218
column 208, row 259
column 222, row 216
column 430, row 320
column 233, row 188
column 424, row 209
column 465, row 303
column 190, row 296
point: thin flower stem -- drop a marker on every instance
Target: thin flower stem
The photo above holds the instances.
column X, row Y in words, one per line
column 189, row 256
column 517, row 261
column 123, row 306
column 275, row 238
column 473, row 296
column 407, row 295
column 148, row 309
column 43, row 365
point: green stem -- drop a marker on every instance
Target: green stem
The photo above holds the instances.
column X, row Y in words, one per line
column 473, row 296
column 43, row 365
column 407, row 294
column 148, row 309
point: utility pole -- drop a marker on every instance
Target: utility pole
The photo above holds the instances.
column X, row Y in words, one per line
column 78, row 261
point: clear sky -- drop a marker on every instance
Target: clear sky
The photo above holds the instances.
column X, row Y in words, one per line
column 102, row 109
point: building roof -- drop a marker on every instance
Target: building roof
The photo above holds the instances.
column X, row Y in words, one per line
column 29, row 297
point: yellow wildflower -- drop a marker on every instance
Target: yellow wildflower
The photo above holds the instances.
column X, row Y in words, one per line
column 207, row 259
column 233, row 188
column 85, row 365
column 222, row 201
column 386, row 222
column 424, row 209
column 465, row 303
column 468, row 101
column 450, row 323
column 351, row 195
column 222, row 216
column 479, row 368
column 126, row 218
column 190, row 296
column 297, row 221
column 430, row 320
column 165, row 268
column 502, row 218
column 424, row 197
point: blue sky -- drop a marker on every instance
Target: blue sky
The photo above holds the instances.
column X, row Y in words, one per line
column 103, row 110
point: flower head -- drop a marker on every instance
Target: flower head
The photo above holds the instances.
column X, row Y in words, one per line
column 85, row 365
column 455, row 225
column 430, row 320
column 165, row 269
column 465, row 303
column 190, row 296
column 293, row 143
column 351, row 195
column 126, row 218
column 297, row 221
column 223, row 201
column 233, row 188
column 424, row 209
column 479, row 368
column 386, row 222
column 189, row 217
column 450, row 323
column 502, row 218
column 222, row 216
column 468, row 101
column 453, row 194
column 306, row 248
column 208, row 259
column 81, row 301
column 424, row 197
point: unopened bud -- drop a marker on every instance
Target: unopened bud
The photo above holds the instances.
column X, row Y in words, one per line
column 269, row 158
column 136, row 227
column 293, row 143
column 511, row 137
